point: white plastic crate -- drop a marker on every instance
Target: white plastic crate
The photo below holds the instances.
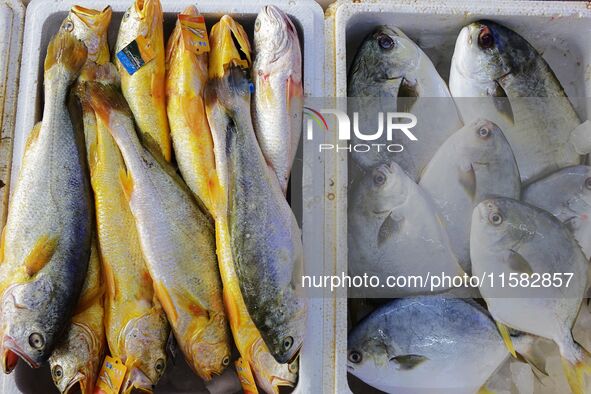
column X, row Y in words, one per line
column 560, row 30
column 12, row 15
column 43, row 19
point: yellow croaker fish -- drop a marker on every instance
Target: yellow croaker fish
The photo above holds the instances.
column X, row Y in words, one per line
column 279, row 95
column 135, row 323
column 75, row 362
column 144, row 90
column 186, row 76
column 225, row 55
column 45, row 245
column 177, row 240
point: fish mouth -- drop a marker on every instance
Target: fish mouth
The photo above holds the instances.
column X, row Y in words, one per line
column 137, row 382
column 77, row 384
column 147, row 9
column 276, row 14
column 11, row 349
column 94, row 19
column 232, row 44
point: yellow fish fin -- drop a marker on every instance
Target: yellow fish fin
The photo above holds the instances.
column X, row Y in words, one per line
column 87, row 300
column 485, row 390
column 294, row 90
column 504, row 331
column 190, row 304
column 33, row 136
column 40, row 255
column 126, row 183
column 166, row 301
column 575, row 373
column 2, row 240
column 109, row 280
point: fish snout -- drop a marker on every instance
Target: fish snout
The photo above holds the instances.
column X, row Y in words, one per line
column 10, row 353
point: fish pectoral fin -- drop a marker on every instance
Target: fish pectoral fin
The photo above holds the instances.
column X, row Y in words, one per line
column 536, row 366
column 389, row 227
column 518, row 263
column 485, row 390
column 580, row 138
column 110, row 280
column 467, row 178
column 504, row 331
column 33, row 135
column 126, row 183
column 294, row 91
column 502, row 103
column 40, row 254
column 407, row 362
column 166, row 302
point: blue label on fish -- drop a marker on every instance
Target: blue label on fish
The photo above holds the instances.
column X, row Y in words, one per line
column 135, row 55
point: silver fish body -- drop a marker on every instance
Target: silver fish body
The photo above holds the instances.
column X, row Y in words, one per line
column 509, row 237
column 418, row 344
column 278, row 95
column 566, row 194
column 395, row 229
column 387, row 67
column 519, row 92
column 45, row 247
column 474, row 163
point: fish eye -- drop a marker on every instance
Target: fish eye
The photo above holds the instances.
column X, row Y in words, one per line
column 226, row 361
column 588, row 183
column 57, row 373
column 160, row 365
column 385, row 41
column 287, row 343
column 483, row 132
column 257, row 25
column 485, row 38
column 379, row 179
column 69, row 26
column 495, row 218
column 355, row 357
column 36, row 341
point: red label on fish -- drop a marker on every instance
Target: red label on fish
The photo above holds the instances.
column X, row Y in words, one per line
column 194, row 33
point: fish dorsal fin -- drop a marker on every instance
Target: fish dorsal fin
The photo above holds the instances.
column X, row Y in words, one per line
column 518, row 263
column 40, row 254
column 504, row 331
column 407, row 362
column 580, row 138
column 389, row 227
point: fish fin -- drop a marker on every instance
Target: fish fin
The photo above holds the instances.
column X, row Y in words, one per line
column 408, row 361
column 40, row 254
column 407, row 95
column 33, row 135
column 294, row 90
column 388, row 228
column 485, row 390
column 110, row 280
column 467, row 179
column 65, row 49
column 105, row 99
column 580, row 138
column 535, row 364
column 2, row 241
column 166, row 301
column 88, row 299
column 126, row 183
column 575, row 374
column 504, row 331
column 518, row 263
column 502, row 103
column 191, row 305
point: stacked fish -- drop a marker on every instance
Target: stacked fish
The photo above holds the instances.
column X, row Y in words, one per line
column 108, row 251
column 505, row 195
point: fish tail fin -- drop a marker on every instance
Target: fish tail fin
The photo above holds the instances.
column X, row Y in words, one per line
column 65, row 49
column 576, row 364
column 105, row 99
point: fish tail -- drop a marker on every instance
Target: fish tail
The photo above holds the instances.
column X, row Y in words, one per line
column 105, row 99
column 65, row 49
column 95, row 19
column 576, row 364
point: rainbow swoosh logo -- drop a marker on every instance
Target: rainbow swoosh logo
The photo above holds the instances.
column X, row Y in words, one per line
column 316, row 117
